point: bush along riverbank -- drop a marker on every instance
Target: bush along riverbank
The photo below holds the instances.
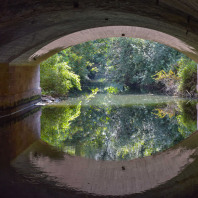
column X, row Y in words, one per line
column 181, row 80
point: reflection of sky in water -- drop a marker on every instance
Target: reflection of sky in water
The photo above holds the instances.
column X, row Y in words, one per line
column 117, row 127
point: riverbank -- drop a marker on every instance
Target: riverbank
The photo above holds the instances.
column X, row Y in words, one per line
column 46, row 99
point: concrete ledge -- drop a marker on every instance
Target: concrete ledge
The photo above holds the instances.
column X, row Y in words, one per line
column 18, row 116
column 19, row 106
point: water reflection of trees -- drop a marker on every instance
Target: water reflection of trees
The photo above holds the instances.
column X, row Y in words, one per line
column 185, row 113
column 55, row 123
column 116, row 133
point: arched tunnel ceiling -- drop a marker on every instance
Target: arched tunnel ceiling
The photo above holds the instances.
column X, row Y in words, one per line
column 26, row 28
column 105, row 32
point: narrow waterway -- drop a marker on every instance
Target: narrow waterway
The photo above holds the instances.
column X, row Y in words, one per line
column 102, row 145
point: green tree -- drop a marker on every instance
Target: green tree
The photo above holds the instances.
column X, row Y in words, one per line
column 57, row 78
column 120, row 62
column 134, row 61
column 182, row 80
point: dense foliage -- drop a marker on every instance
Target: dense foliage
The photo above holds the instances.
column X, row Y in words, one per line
column 123, row 63
column 134, row 61
column 57, row 78
column 56, row 121
column 182, row 80
column 187, row 72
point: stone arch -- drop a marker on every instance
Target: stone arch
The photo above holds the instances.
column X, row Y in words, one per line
column 106, row 32
column 26, row 31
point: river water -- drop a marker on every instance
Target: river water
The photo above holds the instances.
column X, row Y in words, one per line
column 102, row 146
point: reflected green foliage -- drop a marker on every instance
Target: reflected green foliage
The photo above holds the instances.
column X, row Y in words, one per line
column 185, row 112
column 187, row 117
column 55, row 123
column 115, row 132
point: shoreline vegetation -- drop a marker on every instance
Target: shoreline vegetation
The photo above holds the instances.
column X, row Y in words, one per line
column 118, row 66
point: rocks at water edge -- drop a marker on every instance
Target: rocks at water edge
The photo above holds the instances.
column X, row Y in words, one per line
column 48, row 100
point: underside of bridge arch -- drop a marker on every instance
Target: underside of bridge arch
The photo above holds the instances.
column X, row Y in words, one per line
column 31, row 32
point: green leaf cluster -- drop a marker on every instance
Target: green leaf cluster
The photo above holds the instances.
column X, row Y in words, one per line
column 57, row 78
column 111, row 90
column 188, row 76
column 183, row 80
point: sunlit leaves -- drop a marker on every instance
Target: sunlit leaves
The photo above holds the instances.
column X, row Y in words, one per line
column 57, row 78
column 55, row 123
column 182, row 81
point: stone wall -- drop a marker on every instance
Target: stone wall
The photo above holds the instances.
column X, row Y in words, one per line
column 20, row 85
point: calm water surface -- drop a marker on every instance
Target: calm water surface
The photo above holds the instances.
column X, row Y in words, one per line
column 103, row 145
column 116, row 127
